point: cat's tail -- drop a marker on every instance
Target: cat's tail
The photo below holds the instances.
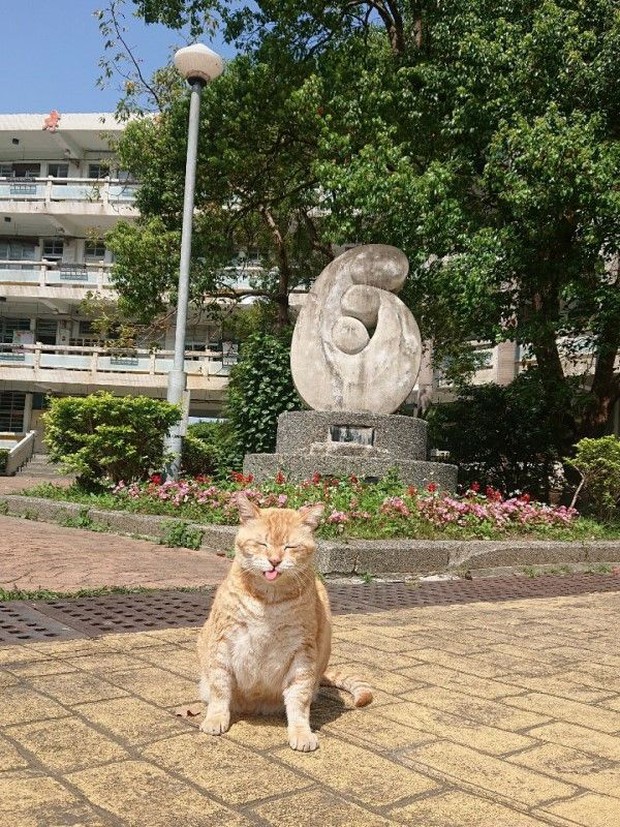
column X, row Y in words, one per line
column 359, row 689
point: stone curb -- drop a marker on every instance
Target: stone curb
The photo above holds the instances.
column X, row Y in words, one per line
column 346, row 557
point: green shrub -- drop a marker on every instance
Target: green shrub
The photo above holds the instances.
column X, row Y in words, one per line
column 261, row 388
column 179, row 534
column 510, row 438
column 598, row 462
column 209, row 449
column 106, row 436
column 4, row 458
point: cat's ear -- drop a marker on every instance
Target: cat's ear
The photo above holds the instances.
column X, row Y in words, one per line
column 247, row 509
column 311, row 514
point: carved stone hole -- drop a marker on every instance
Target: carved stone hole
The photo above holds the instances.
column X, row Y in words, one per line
column 346, row 433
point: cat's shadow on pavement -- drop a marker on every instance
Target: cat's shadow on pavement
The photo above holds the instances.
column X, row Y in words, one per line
column 328, row 707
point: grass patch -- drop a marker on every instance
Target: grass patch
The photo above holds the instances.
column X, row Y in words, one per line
column 180, row 534
column 101, row 591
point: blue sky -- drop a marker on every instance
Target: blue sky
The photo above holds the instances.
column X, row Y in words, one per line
column 50, row 51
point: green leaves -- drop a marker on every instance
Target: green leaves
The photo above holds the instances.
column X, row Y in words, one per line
column 261, row 388
column 480, row 136
column 108, row 437
column 598, row 462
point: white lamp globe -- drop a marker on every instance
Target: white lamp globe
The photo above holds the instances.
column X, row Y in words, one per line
column 198, row 62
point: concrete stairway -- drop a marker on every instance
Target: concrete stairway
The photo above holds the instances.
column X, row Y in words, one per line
column 39, row 467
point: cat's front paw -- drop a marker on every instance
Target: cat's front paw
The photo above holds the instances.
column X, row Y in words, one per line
column 303, row 740
column 215, row 724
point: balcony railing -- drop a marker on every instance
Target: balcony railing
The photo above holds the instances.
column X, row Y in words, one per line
column 55, row 274
column 48, row 190
column 102, row 363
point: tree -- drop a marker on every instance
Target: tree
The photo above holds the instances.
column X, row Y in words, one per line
column 255, row 191
column 106, row 438
column 511, row 438
column 498, row 176
column 480, row 136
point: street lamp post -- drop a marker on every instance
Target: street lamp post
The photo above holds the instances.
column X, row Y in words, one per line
column 198, row 65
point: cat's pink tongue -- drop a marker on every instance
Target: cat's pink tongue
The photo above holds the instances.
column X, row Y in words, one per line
column 271, row 575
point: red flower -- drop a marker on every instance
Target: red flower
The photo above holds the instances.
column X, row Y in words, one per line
column 156, row 479
column 493, row 495
column 412, row 491
column 432, row 487
column 475, row 487
column 244, row 479
column 353, row 478
column 316, row 478
column 280, row 478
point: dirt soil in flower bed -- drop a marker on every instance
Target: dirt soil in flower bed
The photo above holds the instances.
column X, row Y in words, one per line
column 346, row 557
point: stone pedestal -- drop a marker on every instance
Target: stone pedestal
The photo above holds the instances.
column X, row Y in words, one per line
column 339, row 443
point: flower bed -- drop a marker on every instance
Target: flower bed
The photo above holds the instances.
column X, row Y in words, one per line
column 353, row 508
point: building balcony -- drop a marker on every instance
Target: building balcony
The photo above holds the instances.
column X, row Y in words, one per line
column 82, row 370
column 66, row 205
column 46, row 279
column 61, row 190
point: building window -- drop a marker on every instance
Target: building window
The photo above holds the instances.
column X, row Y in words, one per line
column 45, row 331
column 484, row 358
column 98, row 170
column 15, row 250
column 9, row 326
column 53, row 248
column 58, row 170
column 94, row 250
column 12, row 406
column 26, row 170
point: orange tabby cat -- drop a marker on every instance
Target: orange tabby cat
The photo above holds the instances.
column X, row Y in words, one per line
column 267, row 641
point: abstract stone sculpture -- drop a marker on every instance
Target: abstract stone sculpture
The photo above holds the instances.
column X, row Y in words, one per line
column 355, row 356
column 356, row 346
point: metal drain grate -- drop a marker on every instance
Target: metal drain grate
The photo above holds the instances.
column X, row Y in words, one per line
column 372, row 597
column 93, row 616
column 21, row 621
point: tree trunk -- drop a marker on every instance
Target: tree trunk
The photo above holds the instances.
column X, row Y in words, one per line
column 605, row 389
column 284, row 269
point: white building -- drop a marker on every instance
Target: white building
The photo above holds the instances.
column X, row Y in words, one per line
column 60, row 192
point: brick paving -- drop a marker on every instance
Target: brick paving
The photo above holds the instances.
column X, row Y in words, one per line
column 486, row 715
column 36, row 555
column 67, row 559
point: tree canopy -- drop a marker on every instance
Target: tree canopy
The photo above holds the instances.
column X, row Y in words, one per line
column 480, row 136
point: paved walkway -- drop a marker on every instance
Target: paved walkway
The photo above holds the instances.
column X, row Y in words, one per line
column 46, row 555
column 486, row 715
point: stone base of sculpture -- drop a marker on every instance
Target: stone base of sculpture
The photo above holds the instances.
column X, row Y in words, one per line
column 340, row 443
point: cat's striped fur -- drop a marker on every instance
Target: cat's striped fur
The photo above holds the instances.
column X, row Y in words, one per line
column 267, row 641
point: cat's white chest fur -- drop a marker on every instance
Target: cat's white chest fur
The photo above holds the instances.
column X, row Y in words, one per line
column 261, row 648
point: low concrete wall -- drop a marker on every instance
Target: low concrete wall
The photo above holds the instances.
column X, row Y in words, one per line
column 20, row 449
column 337, row 557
